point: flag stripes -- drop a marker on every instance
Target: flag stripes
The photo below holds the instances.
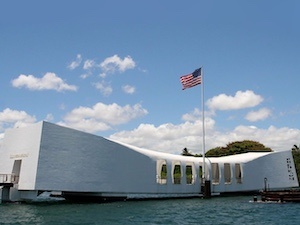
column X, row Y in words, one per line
column 191, row 80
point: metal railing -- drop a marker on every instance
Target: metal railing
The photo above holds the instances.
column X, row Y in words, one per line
column 9, row 178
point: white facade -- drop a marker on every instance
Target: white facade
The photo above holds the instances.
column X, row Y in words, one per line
column 48, row 157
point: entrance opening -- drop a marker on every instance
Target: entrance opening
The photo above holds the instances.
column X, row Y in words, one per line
column 16, row 171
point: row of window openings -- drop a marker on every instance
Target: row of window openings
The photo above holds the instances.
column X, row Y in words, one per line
column 190, row 178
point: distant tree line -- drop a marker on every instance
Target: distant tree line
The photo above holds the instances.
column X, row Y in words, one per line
column 232, row 148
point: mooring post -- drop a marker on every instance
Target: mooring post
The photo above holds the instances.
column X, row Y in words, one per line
column 255, row 198
column 206, row 190
column 265, row 180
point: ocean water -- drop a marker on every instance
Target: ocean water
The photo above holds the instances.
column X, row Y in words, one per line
column 217, row 210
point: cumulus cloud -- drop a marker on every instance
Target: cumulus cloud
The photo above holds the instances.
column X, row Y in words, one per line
column 104, row 88
column 73, row 65
column 261, row 114
column 48, row 82
column 88, row 125
column 167, row 137
column 241, row 100
column 102, row 117
column 276, row 138
column 15, row 118
column 173, row 138
column 192, row 116
column 196, row 114
column 128, row 89
column 115, row 63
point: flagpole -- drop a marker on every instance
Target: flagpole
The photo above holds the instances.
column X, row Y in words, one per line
column 188, row 81
column 203, row 126
column 205, row 183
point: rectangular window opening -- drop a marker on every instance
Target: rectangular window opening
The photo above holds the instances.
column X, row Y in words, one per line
column 227, row 173
column 215, row 173
column 189, row 174
column 161, row 173
column 200, row 172
column 238, row 173
column 177, row 174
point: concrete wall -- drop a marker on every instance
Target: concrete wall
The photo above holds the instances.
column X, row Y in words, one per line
column 22, row 144
column 71, row 160
column 272, row 166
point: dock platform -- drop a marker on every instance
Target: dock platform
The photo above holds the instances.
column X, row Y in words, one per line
column 281, row 196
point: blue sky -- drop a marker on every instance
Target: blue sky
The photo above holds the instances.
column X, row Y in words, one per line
column 112, row 68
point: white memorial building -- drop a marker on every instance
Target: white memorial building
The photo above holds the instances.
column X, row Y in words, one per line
column 45, row 157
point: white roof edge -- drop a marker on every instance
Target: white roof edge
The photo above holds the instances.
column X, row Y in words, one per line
column 245, row 157
column 148, row 152
column 242, row 158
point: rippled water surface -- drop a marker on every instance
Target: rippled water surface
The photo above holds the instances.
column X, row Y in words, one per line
column 218, row 210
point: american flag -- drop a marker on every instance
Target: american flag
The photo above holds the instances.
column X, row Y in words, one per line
column 191, row 80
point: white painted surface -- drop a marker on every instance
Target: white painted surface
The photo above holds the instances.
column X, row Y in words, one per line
column 56, row 158
column 22, row 144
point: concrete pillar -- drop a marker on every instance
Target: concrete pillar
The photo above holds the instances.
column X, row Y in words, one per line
column 4, row 196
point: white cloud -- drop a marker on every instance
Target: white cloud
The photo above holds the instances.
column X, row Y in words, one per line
column 48, row 82
column 196, row 114
column 88, row 125
column 193, row 116
column 261, row 114
column 89, row 64
column 167, row 137
column 109, row 65
column 49, row 117
column 102, row 75
column 101, row 117
column 241, row 100
column 276, row 138
column 173, row 138
column 15, row 118
column 85, row 75
column 115, row 63
column 128, row 89
column 73, row 65
column 104, row 88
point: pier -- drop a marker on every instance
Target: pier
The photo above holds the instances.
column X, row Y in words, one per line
column 6, row 182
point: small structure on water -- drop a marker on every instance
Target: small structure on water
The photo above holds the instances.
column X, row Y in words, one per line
column 281, row 196
column 45, row 157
